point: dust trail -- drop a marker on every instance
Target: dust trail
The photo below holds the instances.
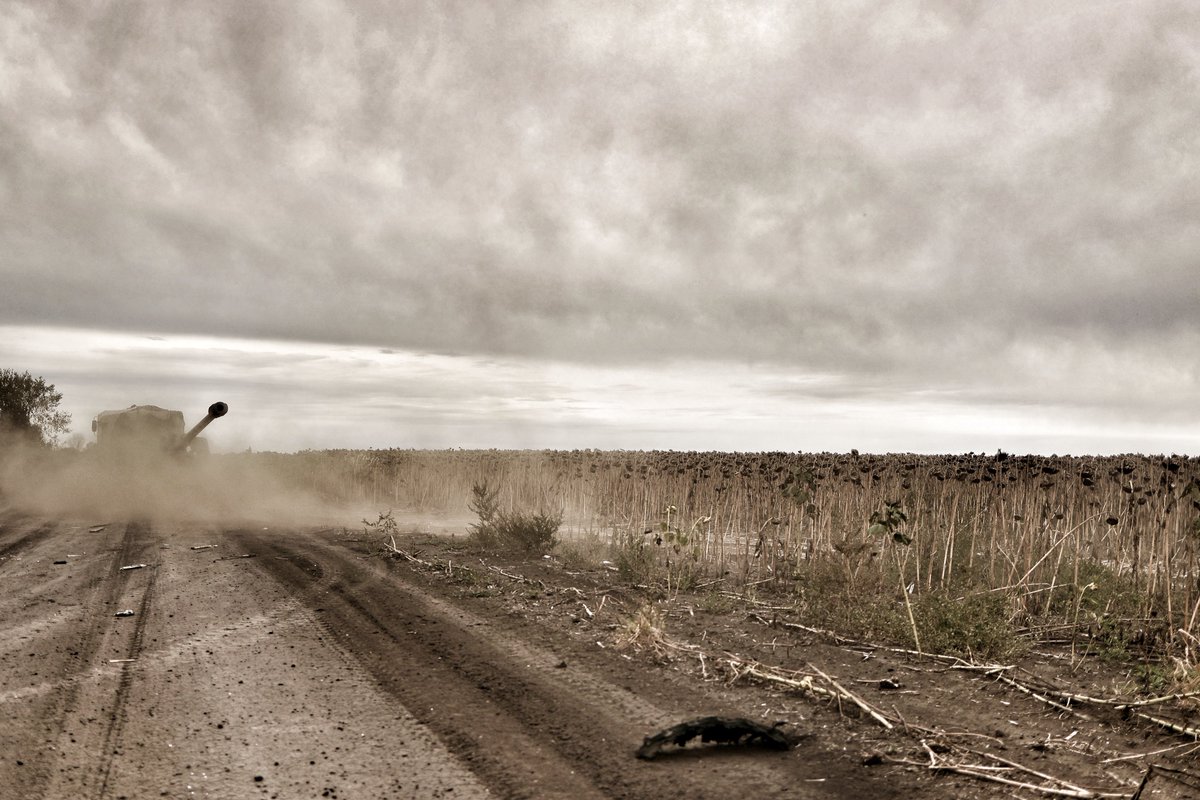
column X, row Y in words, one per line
column 91, row 484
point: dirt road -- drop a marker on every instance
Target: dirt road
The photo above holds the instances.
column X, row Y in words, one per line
column 290, row 664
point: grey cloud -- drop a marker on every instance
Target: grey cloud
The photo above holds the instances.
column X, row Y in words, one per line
column 899, row 192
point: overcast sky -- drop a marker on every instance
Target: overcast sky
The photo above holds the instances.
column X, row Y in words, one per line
column 896, row 226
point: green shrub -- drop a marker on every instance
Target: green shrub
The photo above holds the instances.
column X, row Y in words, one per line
column 584, row 551
column 979, row 626
column 532, row 534
column 485, row 504
column 516, row 531
column 384, row 527
column 635, row 558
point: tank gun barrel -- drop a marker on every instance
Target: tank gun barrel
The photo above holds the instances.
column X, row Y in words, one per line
column 215, row 410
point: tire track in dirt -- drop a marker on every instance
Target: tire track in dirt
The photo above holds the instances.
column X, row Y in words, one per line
column 23, row 542
column 116, row 723
column 526, row 726
column 106, row 587
column 58, row 669
column 239, row 689
column 516, row 766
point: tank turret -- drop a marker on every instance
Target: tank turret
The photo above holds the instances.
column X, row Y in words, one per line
column 149, row 430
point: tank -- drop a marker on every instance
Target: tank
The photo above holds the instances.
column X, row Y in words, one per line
column 150, row 430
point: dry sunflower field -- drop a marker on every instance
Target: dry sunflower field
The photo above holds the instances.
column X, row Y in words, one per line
column 967, row 554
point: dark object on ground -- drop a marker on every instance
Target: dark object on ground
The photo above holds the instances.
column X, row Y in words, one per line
column 722, row 730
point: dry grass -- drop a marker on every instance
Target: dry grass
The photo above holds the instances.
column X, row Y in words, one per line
column 1106, row 544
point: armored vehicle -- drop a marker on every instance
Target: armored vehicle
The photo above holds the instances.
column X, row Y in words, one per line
column 151, row 431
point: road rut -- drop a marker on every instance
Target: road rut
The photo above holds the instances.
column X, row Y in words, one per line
column 288, row 663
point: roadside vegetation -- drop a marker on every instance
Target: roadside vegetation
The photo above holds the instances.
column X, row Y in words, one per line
column 978, row 554
column 530, row 533
column 1068, row 583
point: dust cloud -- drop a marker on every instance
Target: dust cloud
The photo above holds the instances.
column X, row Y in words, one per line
column 102, row 487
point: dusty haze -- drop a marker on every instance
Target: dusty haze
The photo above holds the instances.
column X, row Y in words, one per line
column 88, row 485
